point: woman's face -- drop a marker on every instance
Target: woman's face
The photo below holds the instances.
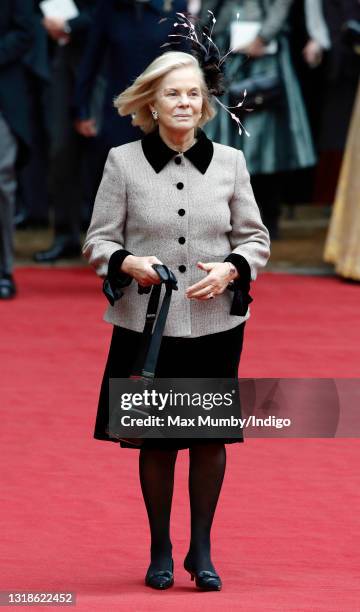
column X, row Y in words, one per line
column 179, row 99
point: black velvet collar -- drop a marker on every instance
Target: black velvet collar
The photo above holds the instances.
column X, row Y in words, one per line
column 159, row 154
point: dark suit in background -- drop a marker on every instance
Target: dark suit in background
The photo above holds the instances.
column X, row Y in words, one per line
column 67, row 146
column 342, row 75
column 341, row 72
column 15, row 40
column 126, row 33
column 32, row 203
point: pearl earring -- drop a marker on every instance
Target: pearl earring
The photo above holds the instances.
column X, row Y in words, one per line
column 155, row 115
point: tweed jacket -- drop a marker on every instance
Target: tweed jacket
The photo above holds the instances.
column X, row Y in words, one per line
column 181, row 208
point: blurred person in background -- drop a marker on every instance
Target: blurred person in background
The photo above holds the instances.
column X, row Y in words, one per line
column 67, row 146
column 129, row 35
column 309, row 42
column 15, row 40
column 280, row 138
column 342, row 69
column 32, row 202
column 342, row 246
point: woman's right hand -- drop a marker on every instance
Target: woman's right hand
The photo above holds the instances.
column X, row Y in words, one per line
column 140, row 268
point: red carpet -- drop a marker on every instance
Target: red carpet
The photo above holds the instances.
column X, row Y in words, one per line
column 286, row 534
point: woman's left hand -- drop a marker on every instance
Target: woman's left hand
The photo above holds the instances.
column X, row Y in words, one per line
column 215, row 283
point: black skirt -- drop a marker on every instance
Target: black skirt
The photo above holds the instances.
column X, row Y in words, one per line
column 215, row 355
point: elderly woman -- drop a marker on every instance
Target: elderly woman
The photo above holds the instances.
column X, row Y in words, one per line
column 175, row 197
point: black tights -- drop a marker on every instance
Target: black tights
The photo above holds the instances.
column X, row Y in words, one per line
column 206, row 474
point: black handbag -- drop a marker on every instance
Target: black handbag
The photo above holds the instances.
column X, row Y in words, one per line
column 263, row 91
column 148, row 356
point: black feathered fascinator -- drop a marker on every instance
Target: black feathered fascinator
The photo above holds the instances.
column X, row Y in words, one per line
column 209, row 57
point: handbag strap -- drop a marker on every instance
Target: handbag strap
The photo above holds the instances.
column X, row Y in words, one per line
column 152, row 356
column 152, row 341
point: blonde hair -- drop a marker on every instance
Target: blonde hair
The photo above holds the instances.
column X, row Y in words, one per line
column 135, row 99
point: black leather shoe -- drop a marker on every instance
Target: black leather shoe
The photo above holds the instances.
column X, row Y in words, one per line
column 59, row 250
column 204, row 580
column 162, row 579
column 7, row 287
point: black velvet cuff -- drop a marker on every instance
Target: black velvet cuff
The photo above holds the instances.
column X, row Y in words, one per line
column 116, row 280
column 241, row 285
